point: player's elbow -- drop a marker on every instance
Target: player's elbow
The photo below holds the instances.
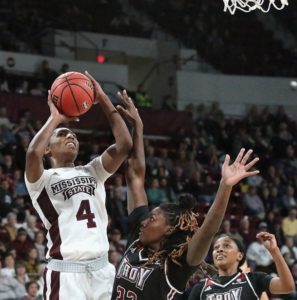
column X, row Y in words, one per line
column 33, row 154
column 125, row 146
column 287, row 287
column 290, row 287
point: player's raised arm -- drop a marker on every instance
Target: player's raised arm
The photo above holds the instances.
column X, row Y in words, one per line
column 284, row 282
column 231, row 175
column 38, row 145
column 114, row 156
column 135, row 170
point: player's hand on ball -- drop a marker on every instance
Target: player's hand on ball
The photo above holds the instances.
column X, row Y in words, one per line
column 128, row 110
column 268, row 240
column 98, row 91
column 56, row 114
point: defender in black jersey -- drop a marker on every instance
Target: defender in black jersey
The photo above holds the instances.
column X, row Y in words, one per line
column 165, row 246
column 232, row 284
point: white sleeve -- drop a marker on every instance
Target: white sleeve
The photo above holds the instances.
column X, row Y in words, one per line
column 35, row 188
column 250, row 254
column 97, row 165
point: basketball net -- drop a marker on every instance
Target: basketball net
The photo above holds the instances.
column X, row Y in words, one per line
column 250, row 5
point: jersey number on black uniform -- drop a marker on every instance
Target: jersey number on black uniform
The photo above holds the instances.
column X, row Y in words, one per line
column 123, row 294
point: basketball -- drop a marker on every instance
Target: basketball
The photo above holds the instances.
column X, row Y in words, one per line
column 72, row 93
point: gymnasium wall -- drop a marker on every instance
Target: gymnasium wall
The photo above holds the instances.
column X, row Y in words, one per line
column 235, row 93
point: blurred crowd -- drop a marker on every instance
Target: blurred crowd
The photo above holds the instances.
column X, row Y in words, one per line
column 189, row 161
column 238, row 44
column 25, row 23
column 233, row 44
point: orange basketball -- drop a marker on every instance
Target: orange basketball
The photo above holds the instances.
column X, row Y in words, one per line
column 72, row 93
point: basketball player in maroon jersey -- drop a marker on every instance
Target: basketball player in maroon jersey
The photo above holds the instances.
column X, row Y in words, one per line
column 70, row 201
column 165, row 245
column 231, row 283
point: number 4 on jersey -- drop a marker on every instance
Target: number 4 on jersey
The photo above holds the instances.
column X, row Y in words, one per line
column 84, row 213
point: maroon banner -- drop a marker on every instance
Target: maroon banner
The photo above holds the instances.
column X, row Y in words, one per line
column 156, row 122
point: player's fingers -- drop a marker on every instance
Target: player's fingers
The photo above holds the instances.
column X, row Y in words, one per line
column 227, row 160
column 239, row 156
column 90, row 76
column 123, row 99
column 253, row 173
column 127, row 100
column 120, row 96
column 121, row 111
column 251, row 164
column 246, row 157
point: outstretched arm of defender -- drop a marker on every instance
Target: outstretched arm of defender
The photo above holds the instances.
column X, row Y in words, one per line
column 231, row 175
column 116, row 154
column 135, row 171
column 284, row 282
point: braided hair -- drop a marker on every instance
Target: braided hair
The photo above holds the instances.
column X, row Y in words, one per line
column 184, row 223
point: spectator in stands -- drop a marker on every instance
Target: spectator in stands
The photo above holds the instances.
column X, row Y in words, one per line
column 3, row 248
column 207, row 191
column 179, row 180
column 20, row 152
column 22, row 88
column 21, row 244
column 289, row 224
column 288, row 200
column 160, row 170
column 8, row 165
column 253, row 203
column 294, row 273
column 38, row 89
column 115, row 242
column 168, row 191
column 21, row 274
column 274, row 225
column 4, row 119
column 259, row 258
column 150, row 158
column 32, row 264
column 119, row 187
column 8, row 265
column 39, row 244
column 19, row 183
column 226, row 229
column 5, row 198
column 24, row 128
column 3, row 81
column 11, row 225
column 31, row 226
column 289, row 251
column 45, row 74
column 32, row 288
column 114, row 257
column 64, row 68
column 166, row 160
column 155, row 194
column 10, row 288
column 117, row 210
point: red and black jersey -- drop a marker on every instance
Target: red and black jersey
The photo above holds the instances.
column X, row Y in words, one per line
column 137, row 280
column 241, row 286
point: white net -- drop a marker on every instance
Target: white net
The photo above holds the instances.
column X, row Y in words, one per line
column 250, row 5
